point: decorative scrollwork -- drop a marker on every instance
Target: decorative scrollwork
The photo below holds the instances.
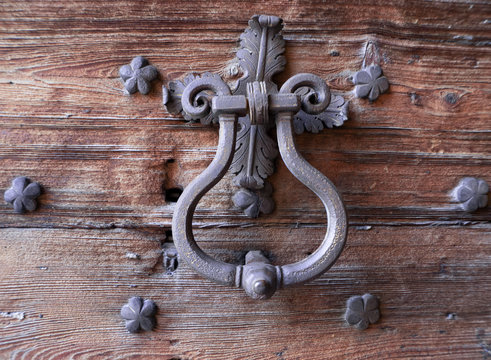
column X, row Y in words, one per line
column 249, row 152
column 335, row 115
column 260, row 57
column 172, row 97
column 314, row 101
column 261, row 52
column 197, row 106
column 254, row 157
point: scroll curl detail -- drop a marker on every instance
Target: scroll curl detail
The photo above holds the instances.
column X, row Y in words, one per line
column 315, row 101
column 173, row 97
column 197, row 106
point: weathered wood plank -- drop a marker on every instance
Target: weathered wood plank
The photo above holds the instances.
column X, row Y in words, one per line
column 98, row 178
column 78, row 279
column 102, row 155
column 104, row 160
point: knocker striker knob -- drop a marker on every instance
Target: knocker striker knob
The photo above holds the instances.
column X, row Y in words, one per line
column 245, row 115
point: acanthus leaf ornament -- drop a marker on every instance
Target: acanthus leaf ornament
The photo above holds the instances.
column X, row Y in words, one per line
column 172, row 97
column 335, row 115
column 254, row 157
column 245, row 115
column 261, row 50
column 260, row 57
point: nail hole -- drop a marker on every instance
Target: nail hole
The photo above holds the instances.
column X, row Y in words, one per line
column 170, row 161
column 168, row 236
column 172, row 194
column 170, row 263
column 170, row 260
column 450, row 316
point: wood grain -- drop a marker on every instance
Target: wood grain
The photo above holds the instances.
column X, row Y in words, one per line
column 425, row 277
column 105, row 159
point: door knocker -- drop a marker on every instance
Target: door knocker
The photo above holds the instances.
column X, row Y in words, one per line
column 245, row 113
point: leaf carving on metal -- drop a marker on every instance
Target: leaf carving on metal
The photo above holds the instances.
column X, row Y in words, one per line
column 253, row 164
column 335, row 115
column 260, row 57
column 261, row 52
column 172, row 97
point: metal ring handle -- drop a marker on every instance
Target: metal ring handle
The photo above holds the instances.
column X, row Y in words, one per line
column 182, row 232
column 218, row 271
column 258, row 277
column 326, row 255
column 332, row 245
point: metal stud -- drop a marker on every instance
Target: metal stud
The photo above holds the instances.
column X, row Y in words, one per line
column 23, row 194
column 138, row 75
column 370, row 82
column 471, row 193
column 139, row 314
column 362, row 311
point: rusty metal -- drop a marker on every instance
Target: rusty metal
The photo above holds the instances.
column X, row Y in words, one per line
column 246, row 113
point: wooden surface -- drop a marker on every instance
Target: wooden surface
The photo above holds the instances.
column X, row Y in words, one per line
column 105, row 160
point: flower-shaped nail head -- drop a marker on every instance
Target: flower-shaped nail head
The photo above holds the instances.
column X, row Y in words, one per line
column 139, row 314
column 252, row 202
column 22, row 194
column 370, row 82
column 471, row 193
column 138, row 75
column 362, row 311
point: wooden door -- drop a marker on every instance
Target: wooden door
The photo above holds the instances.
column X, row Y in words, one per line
column 106, row 160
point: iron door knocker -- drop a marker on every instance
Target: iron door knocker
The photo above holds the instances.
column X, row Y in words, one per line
column 244, row 114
